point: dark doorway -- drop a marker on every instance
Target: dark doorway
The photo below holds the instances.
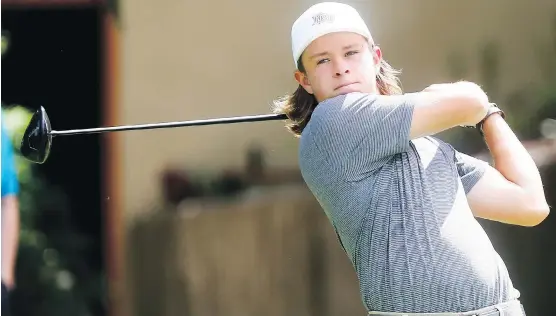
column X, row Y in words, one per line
column 54, row 60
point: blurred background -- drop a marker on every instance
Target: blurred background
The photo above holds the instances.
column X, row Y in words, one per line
column 216, row 220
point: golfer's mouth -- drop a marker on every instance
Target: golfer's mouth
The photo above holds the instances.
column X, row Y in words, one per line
column 345, row 85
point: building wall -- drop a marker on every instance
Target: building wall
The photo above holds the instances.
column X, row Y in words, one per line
column 201, row 59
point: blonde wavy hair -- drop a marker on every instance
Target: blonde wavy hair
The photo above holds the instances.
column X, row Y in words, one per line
column 299, row 106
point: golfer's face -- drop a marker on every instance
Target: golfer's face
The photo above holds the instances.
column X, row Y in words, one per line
column 339, row 63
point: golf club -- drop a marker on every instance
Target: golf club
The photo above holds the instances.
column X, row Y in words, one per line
column 37, row 139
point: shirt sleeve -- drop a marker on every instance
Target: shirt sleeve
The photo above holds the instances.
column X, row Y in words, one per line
column 470, row 170
column 10, row 185
column 359, row 132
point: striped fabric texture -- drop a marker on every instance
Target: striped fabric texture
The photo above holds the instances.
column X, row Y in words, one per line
column 399, row 208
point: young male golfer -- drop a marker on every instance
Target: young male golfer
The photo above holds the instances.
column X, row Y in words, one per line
column 402, row 202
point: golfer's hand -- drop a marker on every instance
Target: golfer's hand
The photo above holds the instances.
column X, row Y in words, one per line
column 467, row 89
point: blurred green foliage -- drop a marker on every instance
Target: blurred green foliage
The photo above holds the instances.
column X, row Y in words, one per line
column 52, row 277
column 5, row 40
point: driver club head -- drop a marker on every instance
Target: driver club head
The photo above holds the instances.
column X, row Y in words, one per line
column 37, row 140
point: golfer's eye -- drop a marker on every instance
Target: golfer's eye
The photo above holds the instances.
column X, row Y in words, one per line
column 321, row 61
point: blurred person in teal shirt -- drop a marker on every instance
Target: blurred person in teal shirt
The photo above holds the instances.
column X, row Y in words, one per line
column 10, row 217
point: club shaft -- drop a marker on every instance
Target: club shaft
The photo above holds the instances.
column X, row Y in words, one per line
column 228, row 120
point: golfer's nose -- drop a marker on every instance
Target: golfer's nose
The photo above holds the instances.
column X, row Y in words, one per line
column 341, row 68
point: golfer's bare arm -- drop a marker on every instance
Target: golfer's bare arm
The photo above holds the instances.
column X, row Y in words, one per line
column 511, row 192
column 444, row 106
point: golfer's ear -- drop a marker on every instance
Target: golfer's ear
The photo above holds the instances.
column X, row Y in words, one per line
column 377, row 54
column 303, row 81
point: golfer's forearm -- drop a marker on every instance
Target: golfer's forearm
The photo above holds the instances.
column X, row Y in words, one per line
column 513, row 161
column 10, row 234
column 442, row 107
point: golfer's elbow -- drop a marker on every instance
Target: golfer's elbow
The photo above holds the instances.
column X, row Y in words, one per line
column 534, row 215
column 530, row 212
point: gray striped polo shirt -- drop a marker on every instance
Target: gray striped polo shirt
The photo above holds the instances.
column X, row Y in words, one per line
column 399, row 207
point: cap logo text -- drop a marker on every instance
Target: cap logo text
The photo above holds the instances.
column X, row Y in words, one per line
column 320, row 18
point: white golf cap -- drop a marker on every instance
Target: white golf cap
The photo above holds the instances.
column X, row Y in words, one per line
column 324, row 18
